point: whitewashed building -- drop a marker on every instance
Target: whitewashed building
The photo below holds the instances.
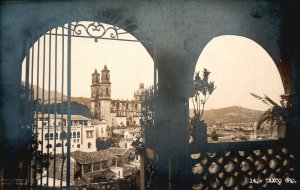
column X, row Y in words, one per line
column 129, row 135
column 102, row 129
column 83, row 133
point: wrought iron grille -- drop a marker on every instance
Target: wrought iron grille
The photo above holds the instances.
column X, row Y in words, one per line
column 50, row 143
column 147, row 124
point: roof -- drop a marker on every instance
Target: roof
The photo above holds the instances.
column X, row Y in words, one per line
column 97, row 122
column 118, row 151
column 58, row 116
column 105, row 68
column 78, row 117
column 95, row 72
column 107, row 174
column 134, row 130
column 91, row 157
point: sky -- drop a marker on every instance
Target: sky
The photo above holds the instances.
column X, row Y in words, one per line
column 129, row 64
column 238, row 66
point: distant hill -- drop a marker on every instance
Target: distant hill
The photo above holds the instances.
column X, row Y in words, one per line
column 81, row 100
column 76, row 109
column 233, row 114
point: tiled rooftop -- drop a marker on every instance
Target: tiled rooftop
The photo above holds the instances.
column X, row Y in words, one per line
column 91, row 157
column 58, row 116
column 118, row 151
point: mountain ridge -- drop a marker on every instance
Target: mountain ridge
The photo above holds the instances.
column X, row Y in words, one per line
column 231, row 114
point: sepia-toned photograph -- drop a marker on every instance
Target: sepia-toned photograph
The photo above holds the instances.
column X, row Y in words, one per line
column 149, row 94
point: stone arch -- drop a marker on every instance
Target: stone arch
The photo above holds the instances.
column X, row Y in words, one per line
column 37, row 30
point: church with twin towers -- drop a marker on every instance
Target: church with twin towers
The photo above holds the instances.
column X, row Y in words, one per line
column 115, row 112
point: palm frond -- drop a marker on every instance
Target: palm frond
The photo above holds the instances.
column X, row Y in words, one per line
column 271, row 101
column 260, row 98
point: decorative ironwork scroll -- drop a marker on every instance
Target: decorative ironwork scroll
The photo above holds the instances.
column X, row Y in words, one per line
column 97, row 30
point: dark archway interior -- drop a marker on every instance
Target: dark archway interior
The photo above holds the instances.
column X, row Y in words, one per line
column 178, row 32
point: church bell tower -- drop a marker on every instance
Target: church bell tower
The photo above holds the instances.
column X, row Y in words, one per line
column 105, row 96
column 95, row 92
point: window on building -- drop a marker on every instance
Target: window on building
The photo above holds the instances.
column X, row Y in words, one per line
column 89, row 145
column 51, row 136
column 58, row 145
column 125, row 145
column 78, row 134
column 102, row 130
column 63, row 135
column 78, row 146
column 74, row 140
column 87, row 168
column 74, row 134
column 46, row 136
column 96, row 166
column 104, row 165
column 49, row 146
column 89, row 134
column 77, row 140
column 114, row 162
column 85, row 122
column 56, row 135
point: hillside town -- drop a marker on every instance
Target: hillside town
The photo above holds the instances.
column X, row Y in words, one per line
column 101, row 146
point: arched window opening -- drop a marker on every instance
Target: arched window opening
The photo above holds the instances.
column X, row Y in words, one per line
column 47, row 68
column 51, row 136
column 58, row 145
column 243, row 73
column 46, row 136
column 63, row 135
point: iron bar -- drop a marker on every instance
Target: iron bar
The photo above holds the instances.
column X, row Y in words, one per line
column 27, row 73
column 37, row 110
column 31, row 83
column 55, row 110
column 31, row 106
column 69, row 105
column 61, row 108
column 49, row 110
column 43, row 99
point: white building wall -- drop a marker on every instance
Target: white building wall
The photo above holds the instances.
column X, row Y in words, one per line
column 120, row 121
column 101, row 130
column 88, row 143
column 136, row 120
column 79, row 139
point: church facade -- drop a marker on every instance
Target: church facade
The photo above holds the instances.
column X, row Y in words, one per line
column 115, row 112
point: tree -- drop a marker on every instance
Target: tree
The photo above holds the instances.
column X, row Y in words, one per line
column 277, row 115
column 203, row 88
